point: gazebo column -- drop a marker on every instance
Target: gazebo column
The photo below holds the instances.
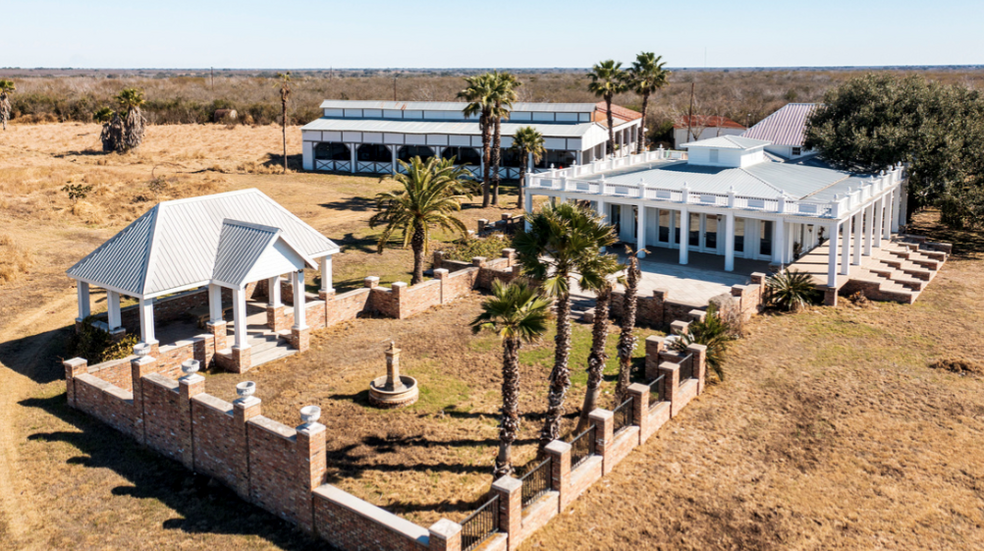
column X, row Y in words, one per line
column 85, row 309
column 216, row 322
column 869, row 230
column 876, row 231
column 300, row 334
column 275, row 308
column 858, row 236
column 729, row 242
column 684, row 235
column 845, row 246
column 113, row 315
column 240, row 349
column 326, row 278
column 147, row 324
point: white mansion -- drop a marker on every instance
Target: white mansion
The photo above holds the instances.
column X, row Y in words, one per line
column 369, row 136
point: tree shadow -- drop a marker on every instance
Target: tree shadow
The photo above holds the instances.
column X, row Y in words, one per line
column 275, row 160
column 204, row 506
column 37, row 357
column 351, row 204
column 80, row 153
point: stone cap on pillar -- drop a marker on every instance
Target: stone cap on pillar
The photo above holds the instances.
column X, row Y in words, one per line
column 508, row 484
column 558, row 447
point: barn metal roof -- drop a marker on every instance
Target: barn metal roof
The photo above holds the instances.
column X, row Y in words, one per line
column 784, row 127
column 174, row 245
column 250, row 252
column 549, row 130
column 454, row 106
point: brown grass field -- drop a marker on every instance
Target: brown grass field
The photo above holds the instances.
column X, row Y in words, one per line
column 832, row 429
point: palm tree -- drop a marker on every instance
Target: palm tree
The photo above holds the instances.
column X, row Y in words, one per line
column 647, row 75
column 715, row 333
column 429, row 196
column 6, row 88
column 284, row 97
column 626, row 338
column 607, row 266
column 790, row 290
column 479, row 96
column 503, row 96
column 608, row 79
column 518, row 314
column 125, row 129
column 527, row 142
column 562, row 243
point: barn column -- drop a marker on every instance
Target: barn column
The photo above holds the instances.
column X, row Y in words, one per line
column 352, row 160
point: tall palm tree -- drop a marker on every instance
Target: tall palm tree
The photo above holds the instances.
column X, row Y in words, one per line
column 285, row 90
column 125, row 129
column 503, row 96
column 479, row 95
column 527, row 142
column 627, row 339
column 608, row 79
column 518, row 314
column 607, row 266
column 429, row 195
column 6, row 88
column 562, row 243
column 647, row 76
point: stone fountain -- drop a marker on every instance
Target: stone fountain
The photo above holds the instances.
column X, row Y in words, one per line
column 393, row 390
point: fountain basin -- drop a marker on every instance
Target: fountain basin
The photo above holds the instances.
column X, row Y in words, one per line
column 382, row 398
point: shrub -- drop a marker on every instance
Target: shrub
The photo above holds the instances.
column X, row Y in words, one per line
column 14, row 260
column 790, row 290
column 77, row 191
column 97, row 346
column 464, row 250
column 713, row 332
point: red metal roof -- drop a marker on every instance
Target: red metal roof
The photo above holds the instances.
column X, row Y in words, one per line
column 618, row 111
column 707, row 121
column 784, row 127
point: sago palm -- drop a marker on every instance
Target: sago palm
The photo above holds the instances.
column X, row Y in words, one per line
column 714, row 333
column 430, row 194
column 790, row 290
column 6, row 88
column 527, row 142
column 562, row 243
column 627, row 338
column 125, row 129
column 647, row 76
column 479, row 95
column 607, row 266
column 503, row 96
column 608, row 79
column 518, row 314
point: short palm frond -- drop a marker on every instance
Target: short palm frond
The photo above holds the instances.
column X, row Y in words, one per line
column 791, row 290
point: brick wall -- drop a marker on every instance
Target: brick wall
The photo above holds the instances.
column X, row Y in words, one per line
column 114, row 372
column 108, row 403
column 347, row 306
column 166, row 429
column 347, row 522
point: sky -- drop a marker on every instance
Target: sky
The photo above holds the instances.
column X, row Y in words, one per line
column 296, row 34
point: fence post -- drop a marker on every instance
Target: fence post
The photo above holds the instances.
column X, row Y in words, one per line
column 604, row 422
column 654, row 345
column 560, row 471
column 510, row 492
column 445, row 535
column 442, row 275
column 671, row 384
column 699, row 352
column 73, row 367
column 640, row 408
column 189, row 386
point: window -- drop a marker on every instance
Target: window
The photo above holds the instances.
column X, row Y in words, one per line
column 710, row 232
column 765, row 238
column 739, row 235
column 694, row 230
column 664, row 226
column 714, row 156
column 797, row 151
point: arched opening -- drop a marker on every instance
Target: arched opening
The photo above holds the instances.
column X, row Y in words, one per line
column 463, row 155
column 374, row 153
column 332, row 151
column 408, row 152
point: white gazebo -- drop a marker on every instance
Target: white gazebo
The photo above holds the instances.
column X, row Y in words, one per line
column 215, row 242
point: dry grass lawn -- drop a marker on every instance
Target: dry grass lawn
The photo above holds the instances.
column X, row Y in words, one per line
column 831, row 431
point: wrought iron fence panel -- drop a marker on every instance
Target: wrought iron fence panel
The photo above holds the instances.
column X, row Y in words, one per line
column 622, row 416
column 656, row 391
column 582, row 447
column 536, row 482
column 480, row 525
column 687, row 368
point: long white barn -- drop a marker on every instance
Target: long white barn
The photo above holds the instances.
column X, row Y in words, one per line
column 369, row 136
column 728, row 198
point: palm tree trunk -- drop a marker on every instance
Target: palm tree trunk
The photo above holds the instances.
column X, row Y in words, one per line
column 417, row 243
column 284, row 128
column 523, row 163
column 642, row 137
column 598, row 357
column 486, row 160
column 560, row 377
column 627, row 339
column 509, row 422
column 611, row 122
column 496, row 158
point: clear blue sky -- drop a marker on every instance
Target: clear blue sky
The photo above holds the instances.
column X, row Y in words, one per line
column 294, row 34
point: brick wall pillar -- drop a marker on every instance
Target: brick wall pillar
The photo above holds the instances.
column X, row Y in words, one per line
column 830, row 296
column 560, row 471
column 218, row 331
column 654, row 345
column 671, row 384
column 445, row 535
column 275, row 318
column 699, row 352
column 697, row 315
column 758, row 278
column 371, row 282
column 310, row 466
column 510, row 256
column 660, row 297
column 604, row 422
column 140, row 366
column 510, row 492
column 679, row 327
column 640, row 408
column 244, row 409
column 399, row 291
column 438, row 261
column 189, row 386
column 442, row 275
column 73, row 367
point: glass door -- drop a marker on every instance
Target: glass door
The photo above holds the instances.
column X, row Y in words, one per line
column 710, row 233
column 765, row 238
column 740, row 236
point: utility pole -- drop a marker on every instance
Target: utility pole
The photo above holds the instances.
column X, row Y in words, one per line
column 690, row 117
column 394, row 86
column 211, row 77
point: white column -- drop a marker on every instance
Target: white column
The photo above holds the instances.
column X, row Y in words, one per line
column 869, row 227
column 684, row 235
column 393, row 151
column 903, row 204
column 352, row 156
column 832, row 256
column 845, row 246
column 858, row 236
column 778, row 241
column 239, row 317
column 790, row 238
column 113, row 308
column 214, row 303
column 147, row 321
column 326, row 282
column 886, row 228
column 299, row 309
column 896, row 207
column 729, row 242
column 273, row 292
column 307, row 157
column 82, row 292
column 876, row 230
column 641, row 232
column 602, row 209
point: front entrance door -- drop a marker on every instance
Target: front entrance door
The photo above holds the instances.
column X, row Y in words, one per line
column 704, row 235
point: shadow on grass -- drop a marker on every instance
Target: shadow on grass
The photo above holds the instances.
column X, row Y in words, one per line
column 276, row 160
column 37, row 357
column 351, row 204
column 203, row 506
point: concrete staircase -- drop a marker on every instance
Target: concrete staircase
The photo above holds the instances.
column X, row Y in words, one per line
column 899, row 270
column 265, row 346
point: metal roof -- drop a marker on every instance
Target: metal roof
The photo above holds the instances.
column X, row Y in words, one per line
column 454, row 106
column 784, row 127
column 549, row 130
column 727, row 142
column 174, row 245
column 250, row 252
